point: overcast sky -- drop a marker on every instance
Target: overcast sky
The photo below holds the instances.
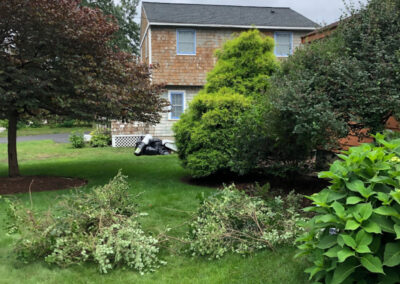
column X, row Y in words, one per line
column 320, row 11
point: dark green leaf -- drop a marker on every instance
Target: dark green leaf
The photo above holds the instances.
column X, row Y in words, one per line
column 372, row 227
column 392, row 254
column 349, row 241
column 344, row 254
column 354, row 200
column 343, row 271
column 372, row 263
column 387, row 211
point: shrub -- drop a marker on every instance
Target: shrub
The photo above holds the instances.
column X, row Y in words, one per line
column 77, row 140
column 100, row 138
column 354, row 85
column 68, row 123
column 100, row 226
column 244, row 65
column 205, row 133
column 354, row 236
column 231, row 221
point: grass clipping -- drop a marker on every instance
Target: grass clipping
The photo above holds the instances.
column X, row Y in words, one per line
column 100, row 226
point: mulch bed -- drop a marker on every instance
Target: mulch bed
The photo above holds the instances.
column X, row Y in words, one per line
column 40, row 183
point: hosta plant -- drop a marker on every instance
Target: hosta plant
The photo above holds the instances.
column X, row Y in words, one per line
column 354, row 236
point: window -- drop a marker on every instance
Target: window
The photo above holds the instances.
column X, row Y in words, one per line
column 177, row 100
column 186, row 42
column 283, row 44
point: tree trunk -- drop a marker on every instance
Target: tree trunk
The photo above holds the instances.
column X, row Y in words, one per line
column 13, row 169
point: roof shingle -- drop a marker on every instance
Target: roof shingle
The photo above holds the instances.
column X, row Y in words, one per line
column 225, row 15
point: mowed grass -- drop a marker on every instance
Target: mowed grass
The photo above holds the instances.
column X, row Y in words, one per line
column 28, row 131
column 169, row 203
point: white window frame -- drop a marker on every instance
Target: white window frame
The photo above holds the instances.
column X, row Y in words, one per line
column 290, row 44
column 194, row 43
column 170, row 92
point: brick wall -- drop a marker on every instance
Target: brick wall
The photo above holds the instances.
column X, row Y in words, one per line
column 191, row 70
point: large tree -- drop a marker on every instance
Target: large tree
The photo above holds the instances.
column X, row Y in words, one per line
column 55, row 59
column 124, row 11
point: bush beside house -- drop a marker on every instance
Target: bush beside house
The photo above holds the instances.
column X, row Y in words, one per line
column 205, row 135
column 347, row 83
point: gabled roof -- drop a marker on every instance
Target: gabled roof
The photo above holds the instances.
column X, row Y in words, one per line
column 225, row 16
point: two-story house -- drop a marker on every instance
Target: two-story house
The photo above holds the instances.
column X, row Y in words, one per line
column 180, row 39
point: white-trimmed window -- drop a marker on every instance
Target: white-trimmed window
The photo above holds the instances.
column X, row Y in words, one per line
column 283, row 44
column 186, row 42
column 177, row 101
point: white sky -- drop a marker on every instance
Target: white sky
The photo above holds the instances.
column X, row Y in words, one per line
column 320, row 11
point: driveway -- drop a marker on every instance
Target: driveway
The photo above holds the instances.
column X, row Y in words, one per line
column 58, row 138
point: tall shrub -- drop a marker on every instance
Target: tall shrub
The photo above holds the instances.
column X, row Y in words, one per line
column 344, row 83
column 205, row 135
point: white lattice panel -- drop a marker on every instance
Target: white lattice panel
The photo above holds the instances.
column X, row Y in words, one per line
column 126, row 140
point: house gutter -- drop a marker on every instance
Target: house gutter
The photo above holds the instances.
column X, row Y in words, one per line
column 233, row 26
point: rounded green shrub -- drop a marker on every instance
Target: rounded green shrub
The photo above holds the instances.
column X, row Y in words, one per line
column 77, row 140
column 205, row 133
column 100, row 138
column 354, row 236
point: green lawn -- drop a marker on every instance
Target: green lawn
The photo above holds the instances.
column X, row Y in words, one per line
column 27, row 131
column 165, row 198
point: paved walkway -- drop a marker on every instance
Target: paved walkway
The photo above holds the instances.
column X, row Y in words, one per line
column 58, row 138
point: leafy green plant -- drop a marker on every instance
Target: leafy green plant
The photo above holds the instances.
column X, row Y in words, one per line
column 205, row 133
column 100, row 138
column 77, row 140
column 231, row 221
column 244, row 65
column 354, row 236
column 354, row 85
column 101, row 226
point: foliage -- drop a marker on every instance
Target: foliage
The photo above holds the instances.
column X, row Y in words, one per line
column 354, row 236
column 244, row 65
column 231, row 221
column 100, row 138
column 77, row 140
column 100, row 226
column 343, row 83
column 205, row 133
column 56, row 59
column 3, row 123
column 124, row 12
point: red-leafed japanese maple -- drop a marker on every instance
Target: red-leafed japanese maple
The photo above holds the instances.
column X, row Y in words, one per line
column 56, row 59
